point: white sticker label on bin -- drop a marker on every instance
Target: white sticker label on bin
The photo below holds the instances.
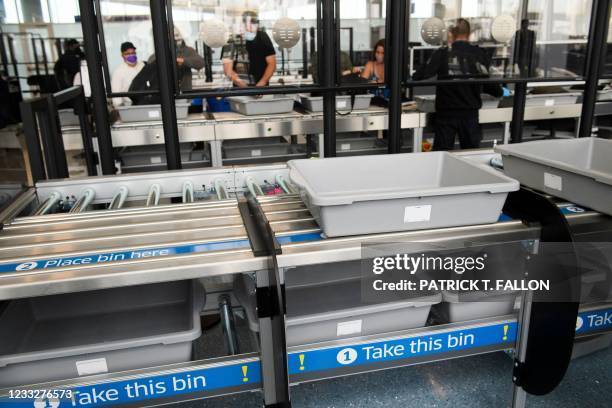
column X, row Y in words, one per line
column 553, row 181
column 156, row 160
column 549, row 102
column 345, row 146
column 256, row 152
column 348, row 328
column 154, row 114
column 417, row 213
column 90, row 367
column 340, row 104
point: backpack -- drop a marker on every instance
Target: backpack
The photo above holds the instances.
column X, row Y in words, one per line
column 146, row 80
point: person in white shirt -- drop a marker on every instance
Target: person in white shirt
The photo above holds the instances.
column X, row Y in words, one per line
column 124, row 74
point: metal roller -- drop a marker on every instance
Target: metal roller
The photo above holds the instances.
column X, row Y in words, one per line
column 46, row 206
column 153, row 196
column 253, row 187
column 83, row 202
column 119, row 198
column 220, row 189
column 188, row 192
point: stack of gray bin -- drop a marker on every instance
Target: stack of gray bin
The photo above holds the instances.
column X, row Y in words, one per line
column 356, row 143
column 144, row 113
column 66, row 336
column 153, row 157
column 260, row 148
column 503, row 261
column 324, row 303
column 265, row 105
column 427, row 103
column 343, row 102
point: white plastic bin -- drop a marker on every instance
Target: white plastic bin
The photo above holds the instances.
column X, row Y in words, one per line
column 372, row 194
column 578, row 170
column 336, row 311
column 266, row 105
column 66, row 336
column 143, row 113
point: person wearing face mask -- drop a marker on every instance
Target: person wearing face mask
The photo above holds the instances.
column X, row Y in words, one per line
column 374, row 70
column 124, row 74
column 252, row 61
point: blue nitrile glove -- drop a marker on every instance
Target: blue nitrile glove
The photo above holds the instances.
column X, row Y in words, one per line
column 506, row 91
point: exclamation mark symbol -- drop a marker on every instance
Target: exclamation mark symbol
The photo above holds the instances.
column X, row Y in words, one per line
column 244, row 374
column 301, row 362
column 505, row 333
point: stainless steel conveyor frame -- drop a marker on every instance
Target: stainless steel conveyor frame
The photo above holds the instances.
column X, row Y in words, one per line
column 28, row 240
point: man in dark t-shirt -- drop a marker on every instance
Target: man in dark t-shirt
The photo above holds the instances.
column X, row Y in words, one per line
column 249, row 59
column 457, row 105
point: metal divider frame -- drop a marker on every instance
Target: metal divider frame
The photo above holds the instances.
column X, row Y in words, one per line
column 541, row 364
column 270, row 294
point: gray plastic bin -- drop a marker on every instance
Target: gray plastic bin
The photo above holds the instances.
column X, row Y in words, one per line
column 362, row 102
column 66, row 336
column 259, row 150
column 67, row 117
column 143, row 158
column 266, row 105
column 143, row 113
column 552, row 99
column 454, row 309
column 371, row 194
column 336, row 311
column 427, row 103
column 315, row 103
column 578, row 170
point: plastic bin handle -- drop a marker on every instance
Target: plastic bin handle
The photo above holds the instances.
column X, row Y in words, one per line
column 296, row 178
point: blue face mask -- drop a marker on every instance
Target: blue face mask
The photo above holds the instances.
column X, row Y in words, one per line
column 249, row 36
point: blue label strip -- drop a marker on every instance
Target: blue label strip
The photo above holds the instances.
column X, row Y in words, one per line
column 402, row 349
column 210, row 379
column 148, row 388
column 105, row 257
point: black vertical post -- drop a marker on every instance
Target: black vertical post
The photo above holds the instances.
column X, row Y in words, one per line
column 58, row 47
column 524, row 45
column 351, row 46
column 96, row 81
column 595, row 55
column 313, row 36
column 304, row 53
column 327, row 72
column 56, row 141
column 396, row 11
column 163, row 57
column 44, row 55
column 14, row 62
column 102, row 42
column 86, row 133
column 4, row 56
column 35, row 54
column 37, row 164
